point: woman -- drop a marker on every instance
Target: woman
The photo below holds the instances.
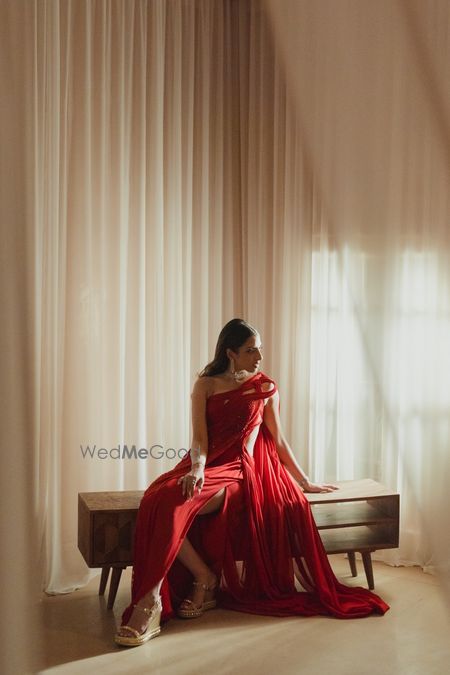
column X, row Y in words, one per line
column 230, row 521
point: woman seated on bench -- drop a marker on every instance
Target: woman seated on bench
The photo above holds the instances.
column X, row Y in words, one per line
column 255, row 547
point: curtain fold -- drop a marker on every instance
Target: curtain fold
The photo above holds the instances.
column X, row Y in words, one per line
column 283, row 161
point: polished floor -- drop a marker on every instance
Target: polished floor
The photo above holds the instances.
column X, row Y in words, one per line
column 413, row 638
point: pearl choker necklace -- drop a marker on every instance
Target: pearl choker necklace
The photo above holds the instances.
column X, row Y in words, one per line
column 238, row 375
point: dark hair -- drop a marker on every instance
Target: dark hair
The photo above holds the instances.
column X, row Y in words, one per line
column 232, row 336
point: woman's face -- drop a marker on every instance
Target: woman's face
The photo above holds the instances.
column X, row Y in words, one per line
column 249, row 355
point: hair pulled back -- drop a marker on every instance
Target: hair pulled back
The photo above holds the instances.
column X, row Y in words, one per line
column 232, row 336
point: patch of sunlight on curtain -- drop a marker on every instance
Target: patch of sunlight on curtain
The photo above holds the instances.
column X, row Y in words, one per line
column 380, row 367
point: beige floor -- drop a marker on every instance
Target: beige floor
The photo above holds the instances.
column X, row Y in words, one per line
column 413, row 638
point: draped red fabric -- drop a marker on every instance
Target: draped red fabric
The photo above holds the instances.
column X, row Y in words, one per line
column 263, row 543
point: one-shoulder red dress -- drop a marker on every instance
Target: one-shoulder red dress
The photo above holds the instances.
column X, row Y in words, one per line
column 262, row 544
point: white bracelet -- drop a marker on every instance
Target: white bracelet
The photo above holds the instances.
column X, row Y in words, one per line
column 195, row 452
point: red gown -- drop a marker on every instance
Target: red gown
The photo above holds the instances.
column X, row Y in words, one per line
column 262, row 539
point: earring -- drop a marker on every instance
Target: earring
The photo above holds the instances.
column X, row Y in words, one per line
column 232, row 368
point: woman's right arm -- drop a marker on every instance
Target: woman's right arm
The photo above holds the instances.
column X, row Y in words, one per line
column 199, row 445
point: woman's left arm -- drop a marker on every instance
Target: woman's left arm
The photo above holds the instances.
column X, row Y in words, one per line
column 273, row 423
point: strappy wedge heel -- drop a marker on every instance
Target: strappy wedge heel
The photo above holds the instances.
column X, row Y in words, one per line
column 194, row 611
column 153, row 628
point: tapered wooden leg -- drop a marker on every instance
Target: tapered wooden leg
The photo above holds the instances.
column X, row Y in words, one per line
column 103, row 580
column 367, row 561
column 352, row 561
column 114, row 585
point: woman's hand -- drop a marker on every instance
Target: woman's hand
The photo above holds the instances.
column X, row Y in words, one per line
column 318, row 487
column 194, row 479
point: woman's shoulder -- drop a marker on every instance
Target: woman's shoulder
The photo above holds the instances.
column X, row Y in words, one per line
column 203, row 385
column 209, row 385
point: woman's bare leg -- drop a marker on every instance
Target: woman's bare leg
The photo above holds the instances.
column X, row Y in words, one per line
column 189, row 557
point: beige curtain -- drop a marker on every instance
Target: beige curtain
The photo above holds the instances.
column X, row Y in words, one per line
column 370, row 85
column 177, row 181
column 157, row 126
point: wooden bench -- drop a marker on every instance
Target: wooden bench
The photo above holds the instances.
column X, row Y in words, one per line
column 361, row 517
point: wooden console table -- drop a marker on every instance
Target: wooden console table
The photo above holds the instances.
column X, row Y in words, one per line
column 361, row 517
